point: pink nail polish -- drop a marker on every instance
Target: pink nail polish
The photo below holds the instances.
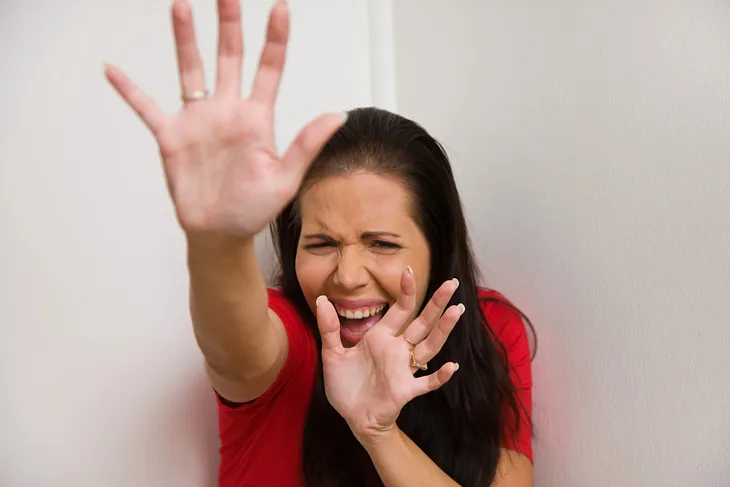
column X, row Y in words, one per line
column 320, row 299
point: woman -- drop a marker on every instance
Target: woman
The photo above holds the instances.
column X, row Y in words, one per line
column 346, row 375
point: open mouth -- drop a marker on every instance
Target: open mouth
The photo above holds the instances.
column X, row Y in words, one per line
column 355, row 323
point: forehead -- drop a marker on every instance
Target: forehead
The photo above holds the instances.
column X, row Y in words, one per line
column 361, row 201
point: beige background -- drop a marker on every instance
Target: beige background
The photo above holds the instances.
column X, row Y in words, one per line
column 591, row 146
column 101, row 383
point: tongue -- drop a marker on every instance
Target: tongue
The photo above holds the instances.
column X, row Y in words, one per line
column 362, row 325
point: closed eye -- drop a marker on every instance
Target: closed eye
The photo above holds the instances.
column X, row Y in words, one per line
column 383, row 245
column 320, row 245
column 380, row 245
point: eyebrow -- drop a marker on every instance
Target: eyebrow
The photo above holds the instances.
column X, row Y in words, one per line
column 364, row 235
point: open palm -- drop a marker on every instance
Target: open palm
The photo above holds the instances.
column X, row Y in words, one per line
column 369, row 383
column 221, row 164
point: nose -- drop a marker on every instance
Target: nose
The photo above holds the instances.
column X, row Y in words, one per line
column 350, row 273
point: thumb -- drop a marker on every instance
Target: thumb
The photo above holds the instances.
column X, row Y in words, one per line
column 310, row 141
column 329, row 325
column 145, row 107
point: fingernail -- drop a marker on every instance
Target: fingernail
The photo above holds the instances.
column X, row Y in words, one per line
column 456, row 281
column 410, row 271
column 344, row 116
column 462, row 307
column 456, row 366
column 320, row 299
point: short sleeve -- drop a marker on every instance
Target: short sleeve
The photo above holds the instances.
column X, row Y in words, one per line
column 301, row 354
column 255, row 436
column 509, row 329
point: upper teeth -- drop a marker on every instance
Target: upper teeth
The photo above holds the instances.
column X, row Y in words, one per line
column 356, row 314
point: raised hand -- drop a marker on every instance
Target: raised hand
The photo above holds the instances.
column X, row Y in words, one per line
column 369, row 383
column 223, row 171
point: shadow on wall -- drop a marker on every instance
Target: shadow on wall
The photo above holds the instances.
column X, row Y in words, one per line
column 181, row 434
column 510, row 251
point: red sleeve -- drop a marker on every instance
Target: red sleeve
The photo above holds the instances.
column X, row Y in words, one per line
column 509, row 329
column 262, row 438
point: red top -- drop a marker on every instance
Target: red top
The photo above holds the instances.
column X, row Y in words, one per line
column 261, row 441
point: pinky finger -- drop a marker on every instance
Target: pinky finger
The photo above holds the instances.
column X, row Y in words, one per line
column 424, row 385
column 145, row 107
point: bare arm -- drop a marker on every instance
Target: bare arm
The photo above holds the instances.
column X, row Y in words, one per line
column 401, row 463
column 514, row 470
column 228, row 182
column 244, row 343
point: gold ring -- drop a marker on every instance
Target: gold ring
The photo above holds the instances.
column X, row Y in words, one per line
column 415, row 363
column 410, row 343
column 195, row 95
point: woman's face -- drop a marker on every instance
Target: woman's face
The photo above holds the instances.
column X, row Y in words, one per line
column 358, row 236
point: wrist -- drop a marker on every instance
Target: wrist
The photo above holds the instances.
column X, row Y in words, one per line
column 218, row 252
column 217, row 244
column 222, row 260
column 374, row 441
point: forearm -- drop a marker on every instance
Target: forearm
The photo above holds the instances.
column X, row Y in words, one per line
column 401, row 463
column 228, row 304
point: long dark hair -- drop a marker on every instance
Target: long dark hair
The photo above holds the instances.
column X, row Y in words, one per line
column 461, row 425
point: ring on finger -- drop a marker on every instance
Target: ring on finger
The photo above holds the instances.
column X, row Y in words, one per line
column 410, row 343
column 194, row 96
column 416, row 363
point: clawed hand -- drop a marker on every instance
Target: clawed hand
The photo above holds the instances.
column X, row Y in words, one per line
column 369, row 383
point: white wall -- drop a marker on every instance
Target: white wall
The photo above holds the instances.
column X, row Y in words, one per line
column 101, row 382
column 592, row 146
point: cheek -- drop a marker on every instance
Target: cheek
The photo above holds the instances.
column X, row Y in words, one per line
column 387, row 273
column 388, row 270
column 312, row 274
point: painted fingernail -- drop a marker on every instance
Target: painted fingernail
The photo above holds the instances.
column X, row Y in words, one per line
column 410, row 270
column 461, row 307
column 456, row 366
column 320, row 299
column 456, row 281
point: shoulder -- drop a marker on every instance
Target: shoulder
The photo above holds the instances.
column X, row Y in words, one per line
column 296, row 374
column 284, row 307
column 266, row 433
column 503, row 318
column 299, row 333
column 506, row 326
